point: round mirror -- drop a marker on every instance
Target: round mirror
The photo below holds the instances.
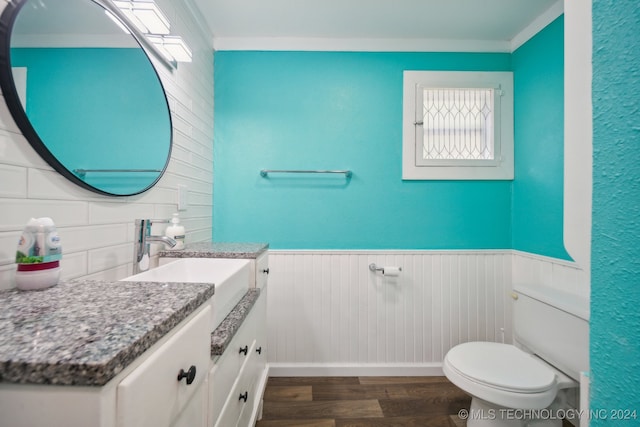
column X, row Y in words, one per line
column 84, row 94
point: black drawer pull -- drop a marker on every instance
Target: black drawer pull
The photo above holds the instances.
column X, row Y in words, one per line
column 190, row 375
column 259, row 350
column 244, row 396
column 244, row 350
column 265, row 271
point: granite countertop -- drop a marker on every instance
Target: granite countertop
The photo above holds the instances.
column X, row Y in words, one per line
column 218, row 250
column 85, row 332
column 222, row 336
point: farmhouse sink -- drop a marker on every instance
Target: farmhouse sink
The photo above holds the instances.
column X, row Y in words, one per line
column 230, row 276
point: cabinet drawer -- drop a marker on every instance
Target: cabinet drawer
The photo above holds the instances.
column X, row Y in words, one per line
column 152, row 395
column 235, row 405
column 262, row 270
column 226, row 369
column 253, row 370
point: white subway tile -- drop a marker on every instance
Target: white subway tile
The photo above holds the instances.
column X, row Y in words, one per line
column 76, row 239
column 15, row 150
column 6, row 120
column 158, row 194
column 8, row 246
column 181, row 125
column 16, row 212
column 201, row 199
column 109, row 257
column 13, row 181
column 7, row 276
column 188, row 170
column 198, row 236
column 172, row 180
column 73, row 265
column 198, row 211
column 183, row 155
column 112, row 274
column 196, row 223
column 164, row 211
column 114, row 212
column 49, row 184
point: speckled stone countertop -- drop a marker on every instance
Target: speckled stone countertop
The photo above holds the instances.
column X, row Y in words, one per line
column 222, row 336
column 85, row 332
column 218, row 250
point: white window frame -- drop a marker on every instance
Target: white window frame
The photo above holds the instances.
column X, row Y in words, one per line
column 415, row 168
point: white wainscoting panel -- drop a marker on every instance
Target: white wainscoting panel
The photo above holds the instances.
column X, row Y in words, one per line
column 329, row 315
column 537, row 270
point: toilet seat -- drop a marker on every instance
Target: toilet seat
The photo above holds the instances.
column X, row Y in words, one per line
column 502, row 374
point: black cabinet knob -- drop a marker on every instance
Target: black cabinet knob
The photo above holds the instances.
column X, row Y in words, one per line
column 244, row 396
column 190, row 375
column 244, row 350
column 259, row 350
column 265, row 271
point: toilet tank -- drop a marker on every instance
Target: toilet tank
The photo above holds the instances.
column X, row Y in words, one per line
column 554, row 325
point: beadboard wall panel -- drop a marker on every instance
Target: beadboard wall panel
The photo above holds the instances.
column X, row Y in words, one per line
column 328, row 314
column 536, row 270
column 97, row 231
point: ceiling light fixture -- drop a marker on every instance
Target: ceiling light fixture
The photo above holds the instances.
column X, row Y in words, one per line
column 145, row 15
column 177, row 48
column 172, row 47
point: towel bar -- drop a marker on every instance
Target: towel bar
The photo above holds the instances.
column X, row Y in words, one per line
column 265, row 172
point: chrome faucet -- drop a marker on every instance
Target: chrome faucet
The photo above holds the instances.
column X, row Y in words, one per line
column 142, row 239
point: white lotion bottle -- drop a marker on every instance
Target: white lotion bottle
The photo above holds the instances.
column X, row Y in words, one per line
column 176, row 232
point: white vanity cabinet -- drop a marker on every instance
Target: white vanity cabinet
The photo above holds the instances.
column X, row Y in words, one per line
column 237, row 377
column 260, row 269
column 169, row 381
column 145, row 393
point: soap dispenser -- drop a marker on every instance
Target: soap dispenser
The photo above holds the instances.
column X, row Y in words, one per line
column 176, row 232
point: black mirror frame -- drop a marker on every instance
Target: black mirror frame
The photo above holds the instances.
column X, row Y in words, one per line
column 10, row 93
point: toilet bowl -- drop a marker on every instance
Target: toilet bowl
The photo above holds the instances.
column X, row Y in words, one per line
column 522, row 385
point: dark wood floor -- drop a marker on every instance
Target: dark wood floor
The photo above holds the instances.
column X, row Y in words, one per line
column 362, row 401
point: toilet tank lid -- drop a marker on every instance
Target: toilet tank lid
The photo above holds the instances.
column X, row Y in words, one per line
column 577, row 305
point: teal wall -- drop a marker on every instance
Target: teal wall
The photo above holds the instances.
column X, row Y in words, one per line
column 615, row 255
column 338, row 110
column 100, row 109
column 538, row 68
column 329, row 110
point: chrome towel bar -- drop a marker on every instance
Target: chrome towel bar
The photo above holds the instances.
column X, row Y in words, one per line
column 83, row 172
column 265, row 172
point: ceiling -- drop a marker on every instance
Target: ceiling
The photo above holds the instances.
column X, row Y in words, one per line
column 407, row 21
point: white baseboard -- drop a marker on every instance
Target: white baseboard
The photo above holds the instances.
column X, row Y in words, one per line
column 354, row 370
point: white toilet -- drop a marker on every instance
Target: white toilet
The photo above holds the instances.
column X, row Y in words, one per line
column 526, row 384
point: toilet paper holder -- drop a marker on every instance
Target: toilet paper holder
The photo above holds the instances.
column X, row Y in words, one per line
column 373, row 267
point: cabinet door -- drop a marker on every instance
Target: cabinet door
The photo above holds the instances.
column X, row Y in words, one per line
column 195, row 413
column 251, row 376
column 262, row 270
column 152, row 395
column 255, row 369
column 227, row 368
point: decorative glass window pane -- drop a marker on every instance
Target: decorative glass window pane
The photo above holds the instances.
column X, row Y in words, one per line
column 458, row 124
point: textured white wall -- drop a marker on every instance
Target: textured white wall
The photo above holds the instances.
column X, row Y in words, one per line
column 97, row 231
